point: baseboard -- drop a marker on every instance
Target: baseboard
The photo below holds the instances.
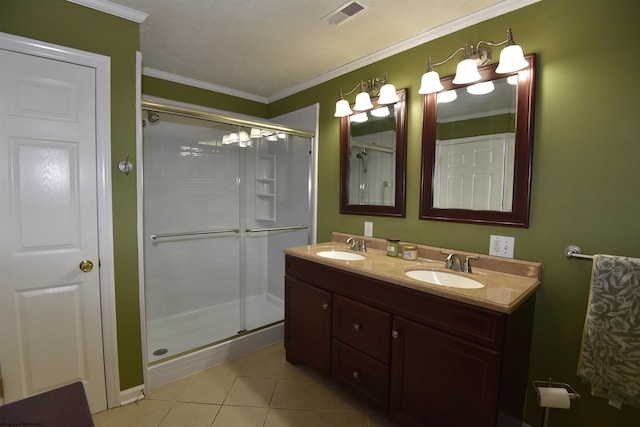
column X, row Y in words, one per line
column 131, row 395
column 197, row 361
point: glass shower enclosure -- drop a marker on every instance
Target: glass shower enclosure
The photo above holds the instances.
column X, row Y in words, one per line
column 222, row 198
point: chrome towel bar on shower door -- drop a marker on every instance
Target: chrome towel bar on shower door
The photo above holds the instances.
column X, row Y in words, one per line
column 192, row 233
column 291, row 227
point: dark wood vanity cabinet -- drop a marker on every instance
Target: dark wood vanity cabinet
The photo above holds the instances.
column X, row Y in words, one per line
column 307, row 325
column 421, row 359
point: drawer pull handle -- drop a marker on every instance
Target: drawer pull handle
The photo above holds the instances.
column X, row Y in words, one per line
column 325, row 306
column 395, row 334
column 356, row 327
column 356, row 375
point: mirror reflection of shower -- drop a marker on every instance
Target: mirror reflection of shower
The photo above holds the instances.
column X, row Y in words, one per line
column 361, row 156
column 362, row 175
column 371, row 176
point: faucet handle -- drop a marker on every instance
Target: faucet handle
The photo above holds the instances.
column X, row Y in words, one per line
column 466, row 267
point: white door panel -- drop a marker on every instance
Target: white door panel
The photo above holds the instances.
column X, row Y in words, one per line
column 471, row 173
column 50, row 319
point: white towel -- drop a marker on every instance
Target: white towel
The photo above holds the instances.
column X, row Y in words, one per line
column 610, row 356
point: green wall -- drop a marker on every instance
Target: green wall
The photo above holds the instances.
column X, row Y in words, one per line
column 68, row 24
column 490, row 125
column 584, row 181
column 585, row 169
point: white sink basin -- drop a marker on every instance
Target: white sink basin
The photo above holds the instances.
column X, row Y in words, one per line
column 444, row 279
column 341, row 255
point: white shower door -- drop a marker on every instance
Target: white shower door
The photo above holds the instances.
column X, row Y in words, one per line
column 219, row 208
column 191, row 223
column 277, row 216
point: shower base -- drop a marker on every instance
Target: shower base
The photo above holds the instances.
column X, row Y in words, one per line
column 174, row 335
column 168, row 371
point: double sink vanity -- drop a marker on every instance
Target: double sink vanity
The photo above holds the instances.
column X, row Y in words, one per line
column 416, row 341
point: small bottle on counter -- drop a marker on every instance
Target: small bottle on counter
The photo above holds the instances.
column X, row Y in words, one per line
column 393, row 247
column 410, row 252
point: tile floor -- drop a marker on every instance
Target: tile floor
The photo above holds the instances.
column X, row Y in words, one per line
column 260, row 389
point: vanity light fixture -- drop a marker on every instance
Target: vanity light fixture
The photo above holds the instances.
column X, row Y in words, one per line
column 382, row 88
column 511, row 60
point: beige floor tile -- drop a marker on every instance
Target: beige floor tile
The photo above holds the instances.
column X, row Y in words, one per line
column 266, row 362
column 240, row 416
column 184, row 414
column 250, row 391
column 171, row 391
column 342, row 419
column 101, row 418
column 295, row 394
column 299, row 372
column 291, row 418
column 260, row 389
column 204, row 388
column 145, row 413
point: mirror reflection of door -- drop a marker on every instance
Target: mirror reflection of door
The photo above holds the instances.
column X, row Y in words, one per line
column 372, row 158
column 475, row 173
column 475, row 144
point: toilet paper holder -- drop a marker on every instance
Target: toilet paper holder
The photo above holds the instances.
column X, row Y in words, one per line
column 537, row 384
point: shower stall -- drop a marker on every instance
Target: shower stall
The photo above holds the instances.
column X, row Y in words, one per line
column 222, row 198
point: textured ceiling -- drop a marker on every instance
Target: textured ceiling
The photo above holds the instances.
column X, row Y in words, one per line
column 267, row 49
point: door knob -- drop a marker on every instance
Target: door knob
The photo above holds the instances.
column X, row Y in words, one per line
column 86, row 265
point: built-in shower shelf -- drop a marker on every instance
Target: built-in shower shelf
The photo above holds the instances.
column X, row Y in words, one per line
column 266, row 188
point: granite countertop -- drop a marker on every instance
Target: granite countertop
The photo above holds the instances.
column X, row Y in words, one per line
column 507, row 282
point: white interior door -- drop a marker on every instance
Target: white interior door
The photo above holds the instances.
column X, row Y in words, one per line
column 50, row 314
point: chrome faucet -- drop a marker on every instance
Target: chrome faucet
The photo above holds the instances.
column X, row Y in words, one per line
column 357, row 245
column 453, row 261
column 455, row 264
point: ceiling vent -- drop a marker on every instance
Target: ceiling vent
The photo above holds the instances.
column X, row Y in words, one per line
column 344, row 12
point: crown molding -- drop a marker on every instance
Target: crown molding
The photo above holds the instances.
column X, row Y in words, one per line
column 113, row 9
column 152, row 72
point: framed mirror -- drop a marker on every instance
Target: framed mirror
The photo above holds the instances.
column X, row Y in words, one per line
column 373, row 160
column 477, row 149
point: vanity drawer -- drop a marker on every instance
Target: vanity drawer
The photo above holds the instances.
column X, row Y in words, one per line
column 363, row 327
column 363, row 375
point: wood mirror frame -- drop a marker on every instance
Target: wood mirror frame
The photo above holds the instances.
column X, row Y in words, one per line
column 519, row 214
column 398, row 209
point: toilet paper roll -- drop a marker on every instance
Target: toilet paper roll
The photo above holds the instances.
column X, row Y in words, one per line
column 554, row 397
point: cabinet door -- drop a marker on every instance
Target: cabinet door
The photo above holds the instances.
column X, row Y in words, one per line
column 307, row 325
column 438, row 379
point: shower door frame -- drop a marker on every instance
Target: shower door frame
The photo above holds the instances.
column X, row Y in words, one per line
column 203, row 113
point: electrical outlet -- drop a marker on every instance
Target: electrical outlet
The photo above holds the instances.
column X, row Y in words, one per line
column 501, row 246
column 368, row 229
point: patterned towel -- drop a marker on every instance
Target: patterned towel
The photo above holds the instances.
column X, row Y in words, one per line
column 610, row 357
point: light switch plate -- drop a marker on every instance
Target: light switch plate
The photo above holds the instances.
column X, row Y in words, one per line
column 501, row 246
column 368, row 229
